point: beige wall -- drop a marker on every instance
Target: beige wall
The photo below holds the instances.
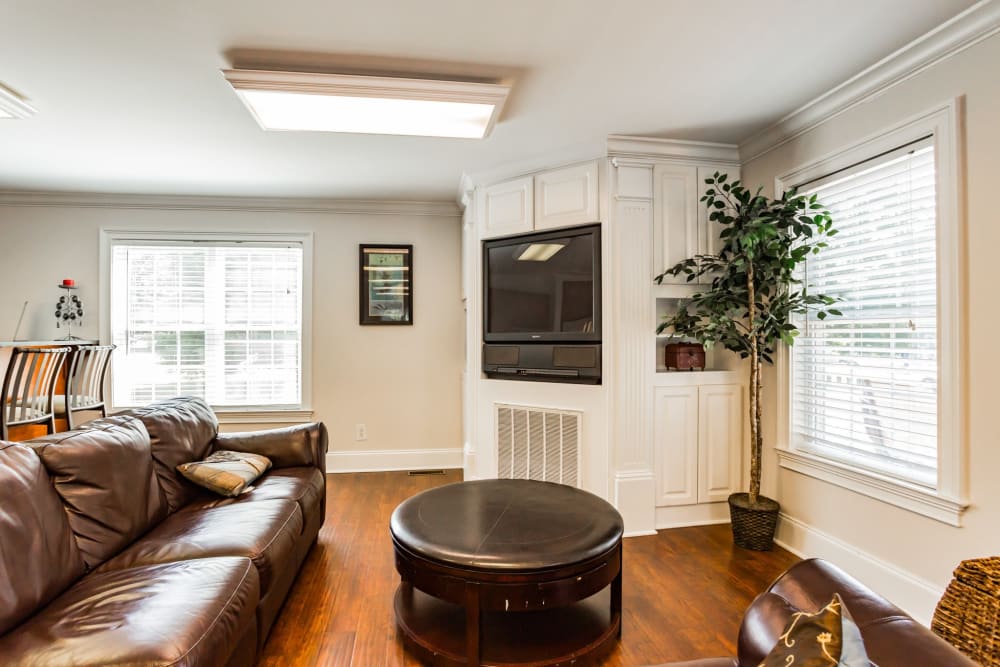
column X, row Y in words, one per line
column 923, row 552
column 402, row 382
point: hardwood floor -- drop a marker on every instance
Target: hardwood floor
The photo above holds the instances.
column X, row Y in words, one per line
column 684, row 589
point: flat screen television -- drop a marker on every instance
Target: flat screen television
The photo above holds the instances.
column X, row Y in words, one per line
column 543, row 287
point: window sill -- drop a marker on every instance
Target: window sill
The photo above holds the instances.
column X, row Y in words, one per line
column 894, row 492
column 259, row 416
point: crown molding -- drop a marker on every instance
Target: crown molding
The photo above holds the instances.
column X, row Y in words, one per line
column 13, row 107
column 526, row 167
column 628, row 146
column 966, row 29
column 213, row 203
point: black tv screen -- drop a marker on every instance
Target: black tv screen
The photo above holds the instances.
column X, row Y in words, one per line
column 543, row 287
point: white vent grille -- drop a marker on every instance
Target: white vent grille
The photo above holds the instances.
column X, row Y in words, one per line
column 539, row 444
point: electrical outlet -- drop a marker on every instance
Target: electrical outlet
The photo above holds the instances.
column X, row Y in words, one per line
column 360, row 432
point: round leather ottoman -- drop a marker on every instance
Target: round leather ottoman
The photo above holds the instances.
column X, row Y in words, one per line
column 508, row 572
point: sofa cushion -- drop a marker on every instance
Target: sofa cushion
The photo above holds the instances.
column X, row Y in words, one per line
column 264, row 531
column 180, row 430
column 304, row 485
column 104, row 474
column 187, row 613
column 226, row 473
column 38, row 555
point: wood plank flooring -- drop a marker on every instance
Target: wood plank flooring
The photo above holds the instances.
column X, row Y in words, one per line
column 684, row 590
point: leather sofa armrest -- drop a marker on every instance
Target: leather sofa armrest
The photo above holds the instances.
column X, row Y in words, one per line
column 303, row 445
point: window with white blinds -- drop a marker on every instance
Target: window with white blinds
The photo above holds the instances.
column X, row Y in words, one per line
column 864, row 387
column 215, row 319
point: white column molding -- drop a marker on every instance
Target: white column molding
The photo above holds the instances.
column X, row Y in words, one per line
column 632, row 220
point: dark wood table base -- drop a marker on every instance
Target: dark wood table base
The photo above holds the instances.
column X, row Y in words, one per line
column 538, row 618
column 579, row 634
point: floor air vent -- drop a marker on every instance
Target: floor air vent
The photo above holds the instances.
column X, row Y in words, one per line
column 539, row 444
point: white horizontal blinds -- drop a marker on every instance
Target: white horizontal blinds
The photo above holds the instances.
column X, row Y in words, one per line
column 220, row 321
column 864, row 386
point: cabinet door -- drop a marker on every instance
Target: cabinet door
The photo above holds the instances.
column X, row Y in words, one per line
column 710, row 244
column 675, row 217
column 506, row 208
column 675, row 440
column 720, row 441
column 565, row 197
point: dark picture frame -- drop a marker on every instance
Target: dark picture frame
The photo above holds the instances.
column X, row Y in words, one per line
column 385, row 282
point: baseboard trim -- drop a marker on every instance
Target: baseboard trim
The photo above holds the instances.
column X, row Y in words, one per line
column 640, row 533
column 912, row 594
column 684, row 516
column 385, row 460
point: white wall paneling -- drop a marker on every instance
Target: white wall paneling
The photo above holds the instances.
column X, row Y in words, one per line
column 632, row 221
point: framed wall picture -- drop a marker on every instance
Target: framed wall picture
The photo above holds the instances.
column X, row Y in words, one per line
column 386, row 283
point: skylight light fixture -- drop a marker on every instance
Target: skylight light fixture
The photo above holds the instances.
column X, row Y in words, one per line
column 12, row 106
column 369, row 104
column 540, row 252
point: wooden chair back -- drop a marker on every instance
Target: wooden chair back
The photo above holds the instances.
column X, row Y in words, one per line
column 88, row 368
column 28, row 387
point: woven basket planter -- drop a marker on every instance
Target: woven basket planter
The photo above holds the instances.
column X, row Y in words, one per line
column 753, row 526
column 968, row 616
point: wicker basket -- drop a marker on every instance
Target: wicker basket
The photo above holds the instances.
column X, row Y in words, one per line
column 968, row 616
column 753, row 527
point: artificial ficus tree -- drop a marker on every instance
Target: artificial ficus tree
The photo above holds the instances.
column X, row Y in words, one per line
column 755, row 290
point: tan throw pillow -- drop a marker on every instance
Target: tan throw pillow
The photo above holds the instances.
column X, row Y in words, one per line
column 824, row 639
column 226, row 473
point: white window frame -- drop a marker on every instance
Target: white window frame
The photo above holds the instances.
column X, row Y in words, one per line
column 948, row 501
column 229, row 415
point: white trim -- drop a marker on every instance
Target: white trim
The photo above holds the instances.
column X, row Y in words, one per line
column 700, row 514
column 630, row 146
column 867, row 483
column 634, row 492
column 264, row 416
column 212, row 203
column 108, row 236
column 393, row 459
column 13, row 107
column 912, row 594
column 946, row 123
column 968, row 28
column 566, row 157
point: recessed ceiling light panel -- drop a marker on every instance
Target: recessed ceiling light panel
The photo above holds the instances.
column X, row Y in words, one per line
column 369, row 105
column 12, row 106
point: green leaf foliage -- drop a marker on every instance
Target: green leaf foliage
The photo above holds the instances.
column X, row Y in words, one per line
column 771, row 236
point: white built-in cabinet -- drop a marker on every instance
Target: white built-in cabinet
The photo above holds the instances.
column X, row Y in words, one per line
column 507, row 208
column 681, row 227
column 548, row 200
column 698, row 442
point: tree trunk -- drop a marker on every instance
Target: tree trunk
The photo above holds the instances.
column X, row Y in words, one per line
column 756, row 440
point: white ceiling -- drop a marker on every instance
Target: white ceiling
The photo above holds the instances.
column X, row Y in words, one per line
column 130, row 97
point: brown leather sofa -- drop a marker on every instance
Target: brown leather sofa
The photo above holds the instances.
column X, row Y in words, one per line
column 892, row 638
column 108, row 556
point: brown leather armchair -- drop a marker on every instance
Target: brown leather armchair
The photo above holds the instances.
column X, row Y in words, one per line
column 892, row 638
